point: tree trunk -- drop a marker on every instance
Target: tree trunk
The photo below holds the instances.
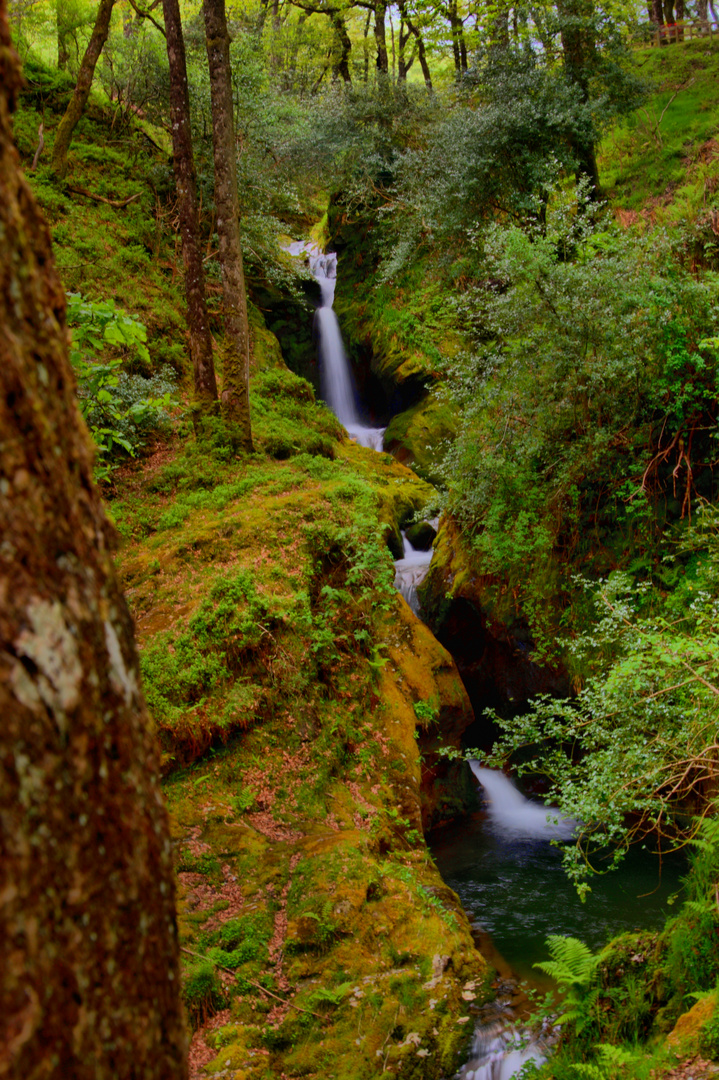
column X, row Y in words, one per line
column 657, row 12
column 90, row 980
column 403, row 64
column 459, row 47
column 342, row 68
column 365, row 46
column 184, row 166
column 236, row 378
column 421, row 52
column 78, row 101
column 380, row 10
column 394, row 47
column 577, row 48
column 63, row 53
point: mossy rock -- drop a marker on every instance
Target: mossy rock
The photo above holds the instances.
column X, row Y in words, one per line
column 415, row 436
column 696, row 1031
column 421, row 535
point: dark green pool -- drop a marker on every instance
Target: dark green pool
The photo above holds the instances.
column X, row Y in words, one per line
column 516, row 890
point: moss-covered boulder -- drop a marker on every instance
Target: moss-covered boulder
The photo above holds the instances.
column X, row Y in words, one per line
column 417, row 435
column 421, row 535
column 474, row 618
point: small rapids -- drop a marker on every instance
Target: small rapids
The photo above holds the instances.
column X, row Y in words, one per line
column 410, row 572
column 500, row 1048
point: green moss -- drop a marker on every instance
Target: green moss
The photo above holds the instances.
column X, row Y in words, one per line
column 417, row 435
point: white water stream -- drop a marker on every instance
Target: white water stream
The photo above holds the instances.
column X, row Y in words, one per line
column 337, row 383
column 410, row 572
column 499, row 1051
column 509, row 811
column 499, row 1047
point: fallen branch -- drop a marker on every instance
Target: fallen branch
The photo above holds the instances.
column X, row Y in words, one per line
column 116, row 203
column 252, row 982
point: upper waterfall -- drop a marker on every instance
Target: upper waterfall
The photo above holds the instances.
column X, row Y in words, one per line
column 336, row 381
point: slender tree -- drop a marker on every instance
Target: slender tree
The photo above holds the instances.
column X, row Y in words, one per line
column 89, row 972
column 184, row 165
column 75, row 109
column 236, row 376
column 578, row 47
column 421, row 51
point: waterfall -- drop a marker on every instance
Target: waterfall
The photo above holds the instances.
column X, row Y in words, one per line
column 338, row 388
column 499, row 1049
column 510, row 812
column 410, row 572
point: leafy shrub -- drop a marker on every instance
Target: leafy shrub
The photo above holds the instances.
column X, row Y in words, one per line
column 117, row 408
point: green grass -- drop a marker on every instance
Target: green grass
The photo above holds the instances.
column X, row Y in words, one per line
column 660, row 161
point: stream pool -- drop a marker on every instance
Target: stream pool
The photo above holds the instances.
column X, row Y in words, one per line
column 515, row 890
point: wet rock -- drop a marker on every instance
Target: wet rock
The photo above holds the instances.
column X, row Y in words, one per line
column 421, row 535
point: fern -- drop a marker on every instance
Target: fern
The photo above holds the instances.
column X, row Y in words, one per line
column 613, row 1061
column 572, row 967
column 572, row 964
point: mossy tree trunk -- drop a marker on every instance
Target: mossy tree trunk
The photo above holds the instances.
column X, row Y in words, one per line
column 236, row 377
column 198, row 323
column 75, row 109
column 344, row 43
column 89, row 971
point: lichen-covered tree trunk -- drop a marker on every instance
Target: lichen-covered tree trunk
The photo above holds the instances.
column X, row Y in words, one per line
column 89, row 974
column 236, row 376
column 198, row 323
column 75, row 109
column 344, row 43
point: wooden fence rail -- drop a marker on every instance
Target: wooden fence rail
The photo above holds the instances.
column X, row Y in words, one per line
column 675, row 33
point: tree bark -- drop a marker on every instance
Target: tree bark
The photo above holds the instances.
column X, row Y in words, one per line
column 63, row 53
column 89, row 970
column 184, row 165
column 75, row 109
column 404, row 64
column 459, row 46
column 380, row 10
column 342, row 68
column 236, row 379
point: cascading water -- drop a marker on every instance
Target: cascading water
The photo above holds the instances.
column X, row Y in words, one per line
column 410, row 572
column 510, row 813
column 338, row 388
column 499, row 1047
